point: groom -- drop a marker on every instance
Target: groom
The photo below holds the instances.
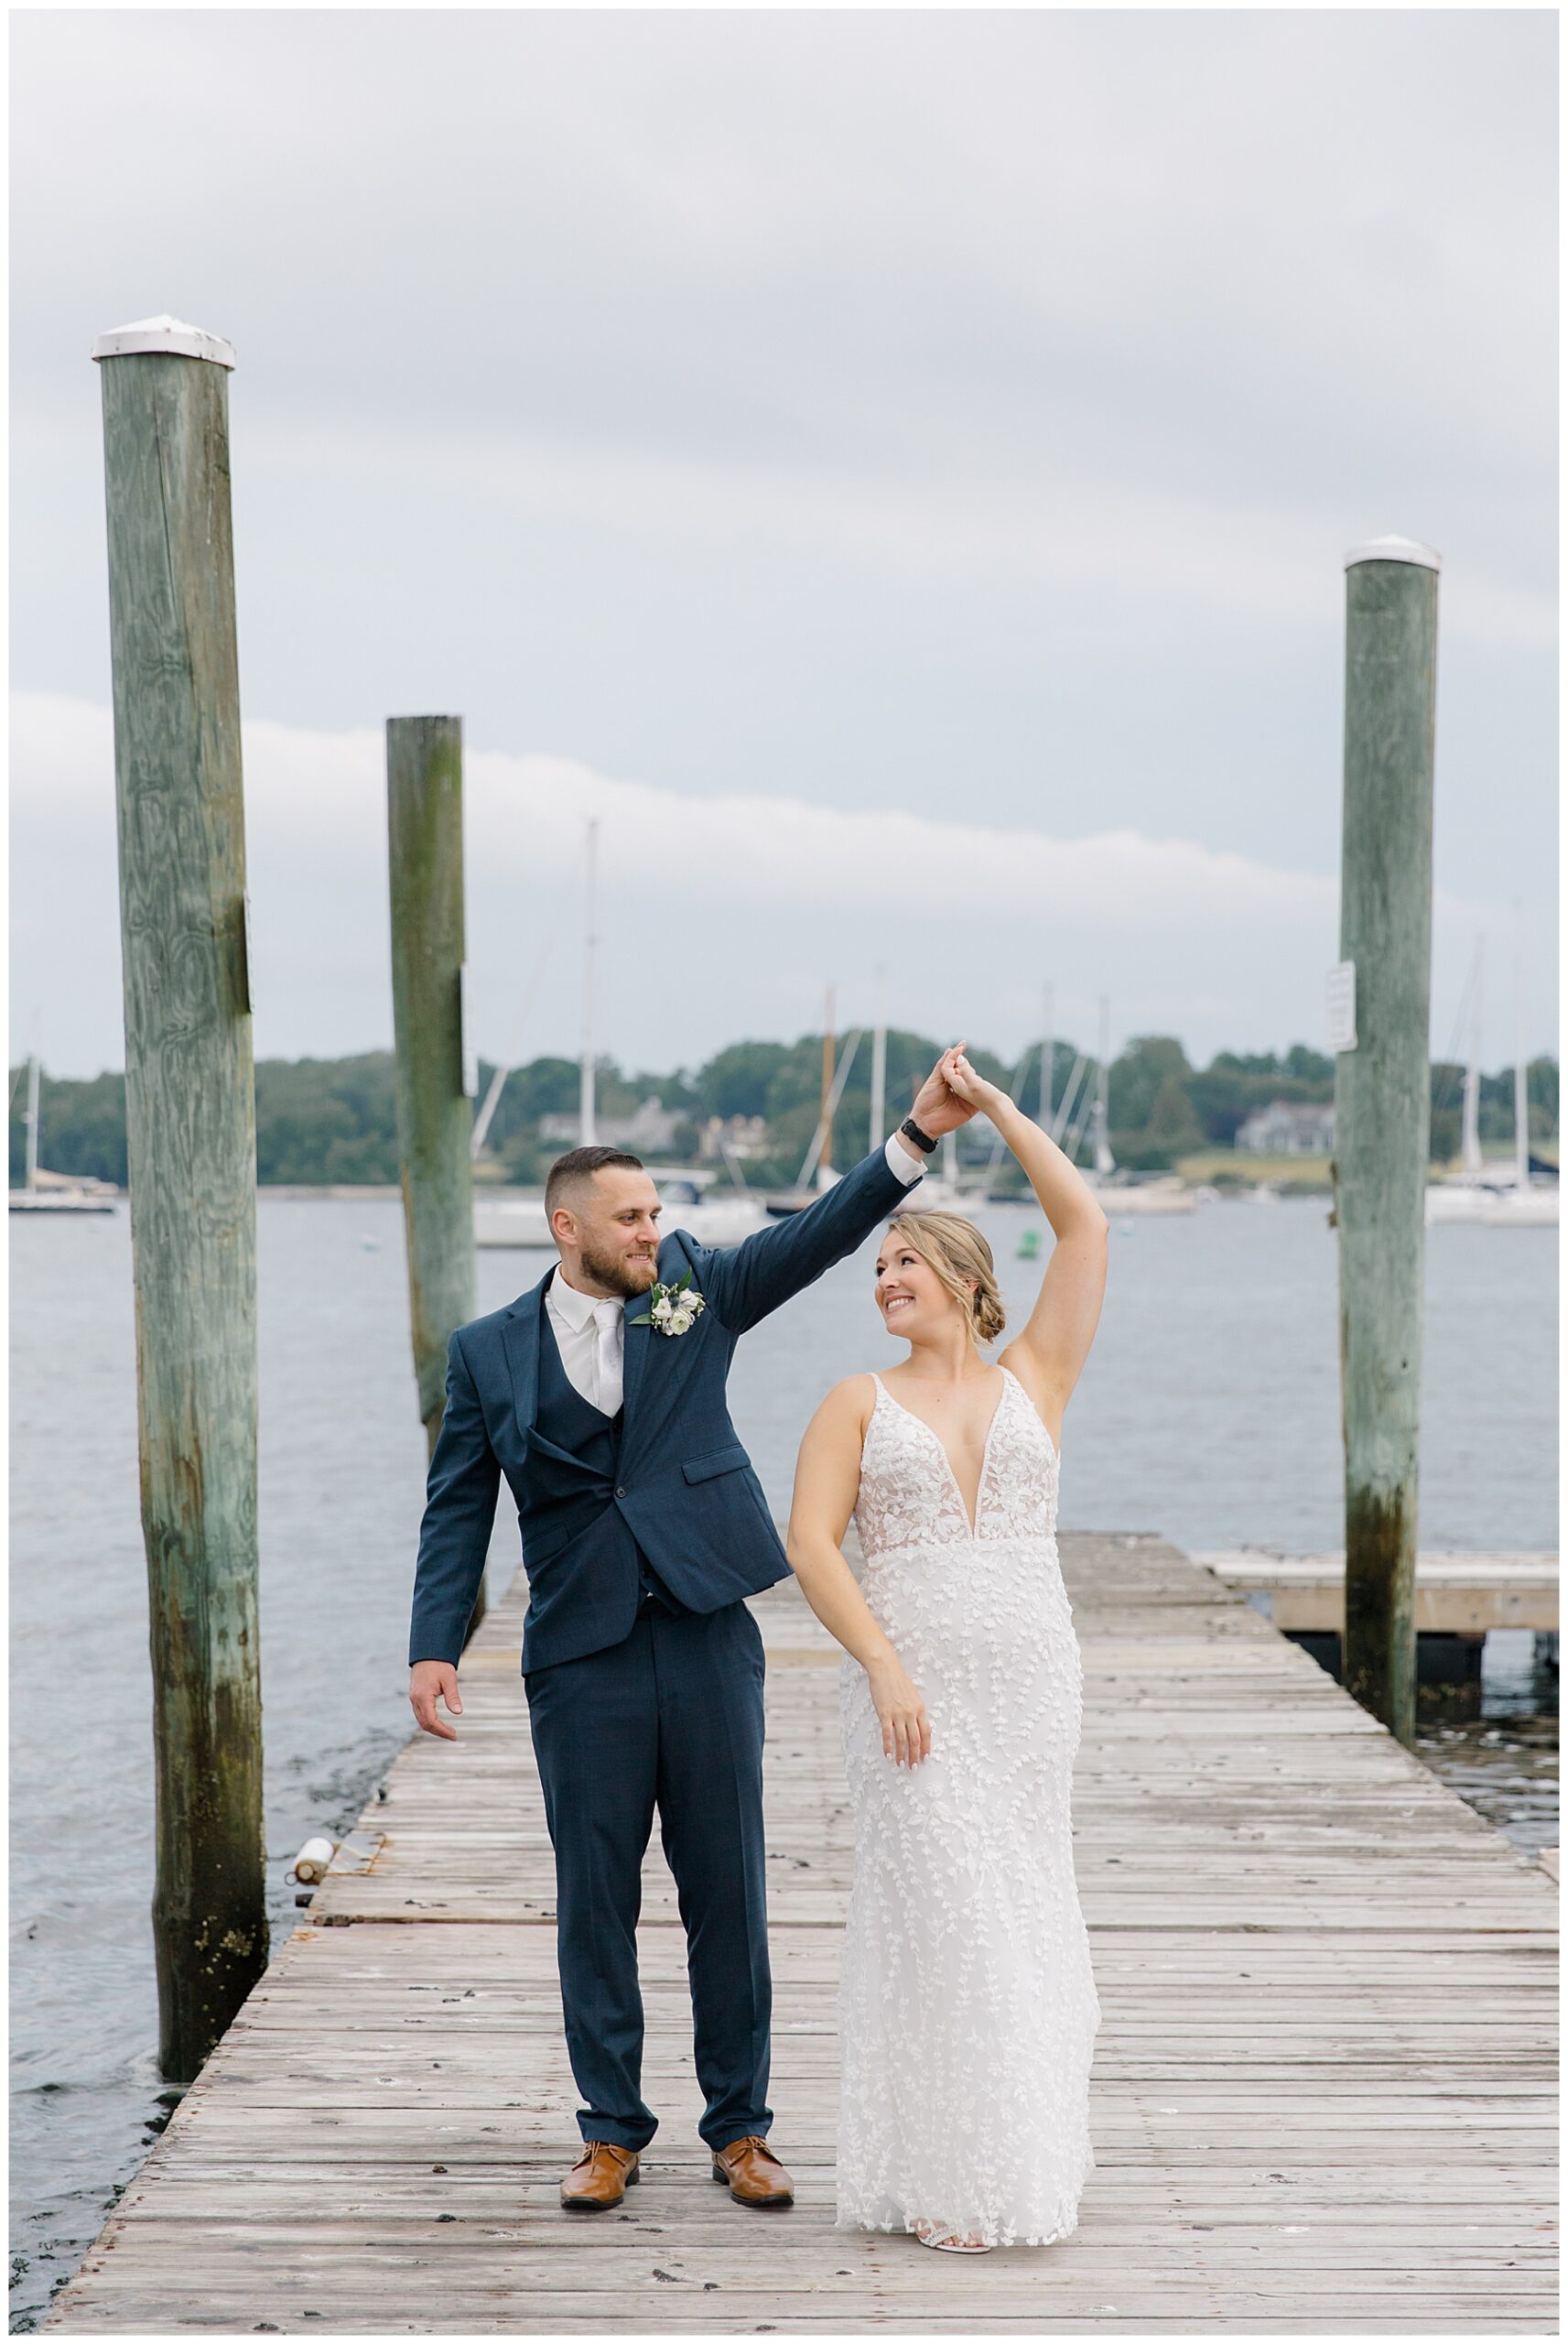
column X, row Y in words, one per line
column 601, row 1396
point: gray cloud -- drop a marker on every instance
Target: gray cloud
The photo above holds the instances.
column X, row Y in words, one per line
column 935, row 411
column 717, row 915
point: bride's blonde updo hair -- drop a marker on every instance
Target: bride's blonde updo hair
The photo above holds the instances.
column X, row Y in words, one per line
column 962, row 1260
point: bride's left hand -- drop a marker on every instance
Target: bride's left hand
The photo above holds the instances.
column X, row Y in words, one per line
column 900, row 1712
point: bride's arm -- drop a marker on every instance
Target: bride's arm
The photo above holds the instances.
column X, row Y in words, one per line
column 1048, row 1356
column 826, row 1482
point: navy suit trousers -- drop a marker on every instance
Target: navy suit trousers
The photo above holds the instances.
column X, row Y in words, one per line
column 671, row 1720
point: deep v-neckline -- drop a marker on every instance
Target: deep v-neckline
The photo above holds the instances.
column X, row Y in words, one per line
column 974, row 1523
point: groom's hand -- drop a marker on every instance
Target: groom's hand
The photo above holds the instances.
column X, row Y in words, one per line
column 939, row 1109
column 430, row 1681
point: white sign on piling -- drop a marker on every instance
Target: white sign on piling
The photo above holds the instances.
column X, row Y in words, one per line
column 1341, row 1007
column 470, row 1052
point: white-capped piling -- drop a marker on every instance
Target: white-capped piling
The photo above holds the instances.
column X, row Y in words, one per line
column 190, row 1147
column 1382, row 1102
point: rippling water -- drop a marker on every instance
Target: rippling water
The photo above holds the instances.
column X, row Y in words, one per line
column 1209, row 1412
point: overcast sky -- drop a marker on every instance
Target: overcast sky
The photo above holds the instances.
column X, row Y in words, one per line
column 896, row 468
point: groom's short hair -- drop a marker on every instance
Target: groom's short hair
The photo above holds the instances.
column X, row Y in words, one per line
column 568, row 1172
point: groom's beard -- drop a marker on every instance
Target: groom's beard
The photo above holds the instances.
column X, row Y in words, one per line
column 631, row 1279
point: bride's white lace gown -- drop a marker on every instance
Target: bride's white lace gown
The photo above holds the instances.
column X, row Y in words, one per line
column 968, row 2009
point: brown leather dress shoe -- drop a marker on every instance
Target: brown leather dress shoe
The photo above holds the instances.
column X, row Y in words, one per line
column 602, row 2175
column 752, row 2173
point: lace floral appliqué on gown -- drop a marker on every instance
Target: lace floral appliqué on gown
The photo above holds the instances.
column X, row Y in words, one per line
column 968, row 2009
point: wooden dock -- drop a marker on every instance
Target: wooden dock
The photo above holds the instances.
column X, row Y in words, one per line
column 1323, row 2095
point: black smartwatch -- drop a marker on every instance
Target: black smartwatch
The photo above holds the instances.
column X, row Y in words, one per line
column 922, row 1140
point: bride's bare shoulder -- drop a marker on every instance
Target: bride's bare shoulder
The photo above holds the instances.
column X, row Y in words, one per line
column 849, row 1402
column 1024, row 1369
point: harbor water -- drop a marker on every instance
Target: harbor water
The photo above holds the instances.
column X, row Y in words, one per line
column 1209, row 1413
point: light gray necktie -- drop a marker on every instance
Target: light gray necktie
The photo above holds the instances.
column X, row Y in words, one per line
column 607, row 1354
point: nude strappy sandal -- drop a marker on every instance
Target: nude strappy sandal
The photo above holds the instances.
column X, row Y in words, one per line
column 949, row 2242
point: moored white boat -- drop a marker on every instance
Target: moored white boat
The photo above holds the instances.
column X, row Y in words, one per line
column 1534, row 1206
column 1119, row 1196
column 55, row 1192
column 518, row 1224
column 1492, row 1204
column 1167, row 1194
column 936, row 1194
column 511, row 1223
column 59, row 1200
column 713, row 1220
column 1510, row 1198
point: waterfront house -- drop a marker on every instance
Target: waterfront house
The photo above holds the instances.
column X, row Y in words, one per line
column 736, row 1135
column 650, row 1132
column 1288, row 1127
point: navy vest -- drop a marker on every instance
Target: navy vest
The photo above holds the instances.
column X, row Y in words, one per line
column 584, row 1501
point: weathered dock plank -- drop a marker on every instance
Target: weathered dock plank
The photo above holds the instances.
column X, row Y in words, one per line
column 1323, row 2098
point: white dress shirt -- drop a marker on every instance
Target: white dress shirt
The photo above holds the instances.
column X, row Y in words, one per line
column 590, row 1330
column 591, row 1335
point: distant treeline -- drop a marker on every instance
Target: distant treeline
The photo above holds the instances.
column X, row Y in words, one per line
column 331, row 1121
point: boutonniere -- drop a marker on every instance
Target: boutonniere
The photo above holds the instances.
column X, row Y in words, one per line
column 675, row 1307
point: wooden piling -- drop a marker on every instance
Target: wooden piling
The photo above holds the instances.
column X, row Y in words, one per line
column 434, row 1113
column 190, row 1144
column 1382, row 1103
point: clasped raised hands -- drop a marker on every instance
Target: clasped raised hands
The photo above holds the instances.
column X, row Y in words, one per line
column 940, row 1108
column 982, row 1098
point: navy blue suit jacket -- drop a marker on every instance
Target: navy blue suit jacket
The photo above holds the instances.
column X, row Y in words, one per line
column 685, row 1491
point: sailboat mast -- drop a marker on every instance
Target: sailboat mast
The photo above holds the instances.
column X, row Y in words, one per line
column 1470, row 1140
column 588, row 1125
column 824, row 1111
column 879, row 1068
column 824, row 1114
column 1104, row 1160
column 1522, row 1079
column 32, row 1122
column 1047, row 1059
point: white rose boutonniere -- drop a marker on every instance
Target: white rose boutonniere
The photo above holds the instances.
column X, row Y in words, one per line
column 674, row 1308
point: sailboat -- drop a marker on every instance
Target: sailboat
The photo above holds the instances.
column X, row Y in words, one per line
column 1496, row 1202
column 936, row 1191
column 1118, row 1194
column 816, row 1173
column 940, row 1191
column 519, row 1223
column 56, row 1192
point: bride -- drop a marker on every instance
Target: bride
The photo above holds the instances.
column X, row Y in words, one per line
column 967, row 2007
